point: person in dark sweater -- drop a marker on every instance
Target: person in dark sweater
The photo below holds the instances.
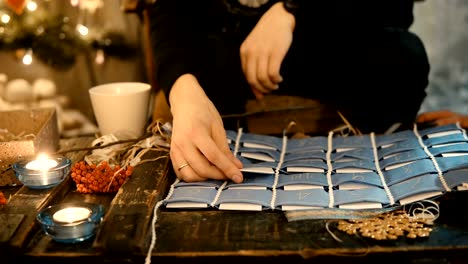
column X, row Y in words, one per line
column 211, row 56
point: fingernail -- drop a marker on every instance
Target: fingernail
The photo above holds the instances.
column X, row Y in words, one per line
column 276, row 87
column 237, row 179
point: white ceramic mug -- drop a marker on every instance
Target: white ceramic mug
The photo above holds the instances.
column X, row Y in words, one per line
column 121, row 107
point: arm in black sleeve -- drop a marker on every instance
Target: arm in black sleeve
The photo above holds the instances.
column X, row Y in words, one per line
column 345, row 13
column 177, row 37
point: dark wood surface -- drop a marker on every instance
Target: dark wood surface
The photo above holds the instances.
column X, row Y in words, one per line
column 208, row 236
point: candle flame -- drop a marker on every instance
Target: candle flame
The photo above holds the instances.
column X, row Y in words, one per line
column 42, row 163
column 42, row 156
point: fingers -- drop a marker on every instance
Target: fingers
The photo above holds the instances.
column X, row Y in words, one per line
column 264, row 77
column 258, row 95
column 183, row 172
column 261, row 71
column 197, row 169
column 250, row 71
column 217, row 152
column 274, row 66
column 220, row 140
column 201, row 160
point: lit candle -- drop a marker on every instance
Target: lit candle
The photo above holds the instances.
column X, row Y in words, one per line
column 42, row 163
column 71, row 214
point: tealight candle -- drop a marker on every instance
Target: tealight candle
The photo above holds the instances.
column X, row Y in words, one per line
column 71, row 214
column 42, row 172
column 71, row 222
column 42, row 163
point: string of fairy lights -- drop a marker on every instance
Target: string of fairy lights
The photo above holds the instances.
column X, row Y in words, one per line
column 31, row 30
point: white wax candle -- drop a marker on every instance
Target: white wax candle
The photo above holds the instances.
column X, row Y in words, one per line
column 71, row 214
column 41, row 163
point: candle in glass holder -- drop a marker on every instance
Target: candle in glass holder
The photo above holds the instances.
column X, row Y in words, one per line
column 71, row 214
column 42, row 163
column 71, row 222
column 43, row 171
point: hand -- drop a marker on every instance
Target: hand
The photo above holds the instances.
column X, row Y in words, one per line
column 443, row 117
column 198, row 136
column 264, row 49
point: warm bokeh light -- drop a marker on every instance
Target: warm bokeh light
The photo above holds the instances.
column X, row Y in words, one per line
column 31, row 6
column 100, row 57
column 82, row 30
column 5, row 18
column 27, row 58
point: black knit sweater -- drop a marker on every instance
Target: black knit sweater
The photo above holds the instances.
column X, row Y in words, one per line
column 180, row 29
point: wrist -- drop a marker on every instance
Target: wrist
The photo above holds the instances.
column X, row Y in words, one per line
column 181, row 86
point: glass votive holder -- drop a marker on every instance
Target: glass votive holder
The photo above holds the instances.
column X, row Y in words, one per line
column 71, row 222
column 42, row 172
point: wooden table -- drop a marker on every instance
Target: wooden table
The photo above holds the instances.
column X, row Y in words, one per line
column 207, row 236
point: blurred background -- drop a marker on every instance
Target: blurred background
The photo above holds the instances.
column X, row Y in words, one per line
column 59, row 49
column 443, row 26
column 52, row 52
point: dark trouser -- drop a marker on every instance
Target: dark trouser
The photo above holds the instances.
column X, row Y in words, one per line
column 375, row 78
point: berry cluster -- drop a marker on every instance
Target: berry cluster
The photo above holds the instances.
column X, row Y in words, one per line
column 3, row 200
column 102, row 178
